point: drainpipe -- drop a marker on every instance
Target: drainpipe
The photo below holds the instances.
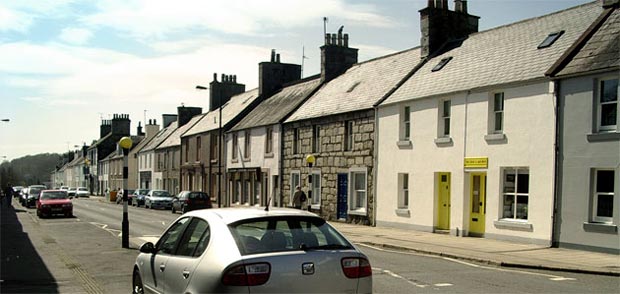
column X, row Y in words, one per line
column 555, row 221
column 280, row 166
column 375, row 168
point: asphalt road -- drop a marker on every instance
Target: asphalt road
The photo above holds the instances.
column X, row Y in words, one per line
column 393, row 271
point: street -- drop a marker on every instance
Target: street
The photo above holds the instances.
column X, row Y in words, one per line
column 87, row 258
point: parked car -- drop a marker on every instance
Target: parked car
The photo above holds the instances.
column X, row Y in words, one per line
column 82, row 192
column 33, row 195
column 23, row 196
column 190, row 200
column 72, row 192
column 157, row 199
column 119, row 199
column 53, row 202
column 17, row 191
column 253, row 251
column 137, row 198
column 64, row 188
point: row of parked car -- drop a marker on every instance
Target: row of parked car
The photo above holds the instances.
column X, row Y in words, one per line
column 185, row 201
column 47, row 202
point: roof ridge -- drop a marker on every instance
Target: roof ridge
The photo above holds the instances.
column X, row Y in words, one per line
column 386, row 56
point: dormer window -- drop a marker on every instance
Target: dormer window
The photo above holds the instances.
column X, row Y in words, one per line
column 550, row 39
column 441, row 64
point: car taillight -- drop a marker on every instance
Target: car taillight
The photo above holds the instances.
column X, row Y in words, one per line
column 247, row 275
column 356, row 267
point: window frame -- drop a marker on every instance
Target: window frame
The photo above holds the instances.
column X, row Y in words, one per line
column 315, row 201
column 354, row 206
column 247, row 144
column 295, row 174
column 269, row 140
column 495, row 112
column 213, row 149
column 516, row 193
column 296, row 141
column 445, row 114
column 595, row 196
column 599, row 105
column 198, row 147
column 405, row 123
column 403, row 191
column 235, row 146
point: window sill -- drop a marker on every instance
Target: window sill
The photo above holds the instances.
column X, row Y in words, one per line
column 495, row 138
column 603, row 136
column 247, row 159
column 361, row 211
column 269, row 155
column 235, row 161
column 404, row 144
column 213, row 161
column 513, row 225
column 600, row 228
column 443, row 141
column 404, row 212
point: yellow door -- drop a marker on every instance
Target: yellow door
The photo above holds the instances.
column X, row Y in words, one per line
column 477, row 196
column 443, row 205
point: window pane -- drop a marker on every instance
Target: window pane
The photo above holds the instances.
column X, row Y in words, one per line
column 522, row 202
column 407, row 131
column 360, row 181
column 609, row 90
column 523, row 182
column 446, row 108
column 499, row 116
column 499, row 102
column 407, row 113
column 361, row 199
column 509, row 182
column 609, row 112
column 605, row 181
column 509, row 202
column 169, row 239
column 446, row 126
column 605, row 206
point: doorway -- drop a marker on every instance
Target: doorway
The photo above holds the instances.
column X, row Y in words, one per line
column 443, row 201
column 477, row 196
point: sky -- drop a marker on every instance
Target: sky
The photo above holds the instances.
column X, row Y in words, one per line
column 67, row 64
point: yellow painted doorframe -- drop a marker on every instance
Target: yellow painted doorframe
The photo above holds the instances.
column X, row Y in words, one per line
column 477, row 203
column 443, row 201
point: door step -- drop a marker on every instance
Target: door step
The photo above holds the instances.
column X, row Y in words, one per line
column 443, row 232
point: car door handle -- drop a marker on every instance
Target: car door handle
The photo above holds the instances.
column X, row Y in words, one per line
column 162, row 267
column 185, row 274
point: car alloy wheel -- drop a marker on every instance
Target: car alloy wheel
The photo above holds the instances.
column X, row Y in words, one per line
column 173, row 210
column 137, row 284
column 183, row 209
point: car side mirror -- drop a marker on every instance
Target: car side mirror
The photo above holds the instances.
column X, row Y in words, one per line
column 147, row 247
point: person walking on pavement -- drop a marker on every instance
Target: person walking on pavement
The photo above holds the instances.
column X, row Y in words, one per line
column 298, row 198
column 8, row 195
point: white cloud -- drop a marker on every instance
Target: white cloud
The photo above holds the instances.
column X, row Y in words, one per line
column 75, row 36
column 11, row 20
column 32, row 99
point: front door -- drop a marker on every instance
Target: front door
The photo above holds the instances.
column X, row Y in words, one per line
column 443, row 204
column 342, row 196
column 477, row 196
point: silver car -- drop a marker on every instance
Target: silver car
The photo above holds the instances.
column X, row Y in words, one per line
column 157, row 199
column 250, row 250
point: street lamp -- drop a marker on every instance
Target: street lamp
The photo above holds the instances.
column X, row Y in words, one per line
column 125, row 144
column 219, row 151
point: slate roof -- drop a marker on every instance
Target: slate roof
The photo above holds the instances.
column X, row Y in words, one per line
column 278, row 106
column 502, row 55
column 175, row 138
column 602, row 50
column 161, row 136
column 360, row 87
column 230, row 110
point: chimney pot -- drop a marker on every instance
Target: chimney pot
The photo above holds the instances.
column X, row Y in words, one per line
column 327, row 39
column 223, row 75
column 278, row 58
column 273, row 55
column 235, row 79
column 346, row 40
column 215, row 77
column 431, row 4
column 334, row 42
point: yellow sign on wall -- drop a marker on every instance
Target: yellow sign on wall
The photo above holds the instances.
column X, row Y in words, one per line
column 476, row 162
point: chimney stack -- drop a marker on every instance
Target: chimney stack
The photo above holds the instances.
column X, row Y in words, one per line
column 220, row 92
column 440, row 25
column 105, row 128
column 168, row 119
column 273, row 74
column 121, row 124
column 151, row 128
column 139, row 129
column 336, row 56
column 185, row 114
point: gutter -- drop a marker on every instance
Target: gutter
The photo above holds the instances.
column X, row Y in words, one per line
column 557, row 179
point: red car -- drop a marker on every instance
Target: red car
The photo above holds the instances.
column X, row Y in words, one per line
column 53, row 202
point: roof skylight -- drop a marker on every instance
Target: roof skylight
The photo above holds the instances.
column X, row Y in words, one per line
column 550, row 39
column 441, row 64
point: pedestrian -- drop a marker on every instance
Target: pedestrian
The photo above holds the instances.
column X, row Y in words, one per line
column 8, row 195
column 299, row 198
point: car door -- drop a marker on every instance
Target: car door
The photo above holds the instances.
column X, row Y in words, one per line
column 154, row 279
column 180, row 268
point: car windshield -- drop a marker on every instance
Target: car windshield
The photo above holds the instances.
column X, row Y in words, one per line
column 34, row 191
column 82, row 189
column 286, row 233
column 161, row 193
column 53, row 195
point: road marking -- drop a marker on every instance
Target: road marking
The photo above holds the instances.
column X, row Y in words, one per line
column 163, row 223
column 395, row 275
column 550, row 277
column 443, row 285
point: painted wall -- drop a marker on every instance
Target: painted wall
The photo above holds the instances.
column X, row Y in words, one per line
column 529, row 137
column 581, row 153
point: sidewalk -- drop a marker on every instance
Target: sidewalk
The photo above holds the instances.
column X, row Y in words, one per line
column 488, row 251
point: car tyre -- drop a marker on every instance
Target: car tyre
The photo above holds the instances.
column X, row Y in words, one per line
column 137, row 283
column 183, row 209
column 173, row 210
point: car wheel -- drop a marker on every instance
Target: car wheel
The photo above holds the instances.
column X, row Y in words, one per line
column 38, row 213
column 137, row 283
column 173, row 210
column 183, row 209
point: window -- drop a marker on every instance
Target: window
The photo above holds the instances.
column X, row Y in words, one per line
column 444, row 122
column 607, row 105
column 357, row 196
column 269, row 141
column 498, row 113
column 405, row 124
column 441, row 64
column 296, row 142
column 247, row 145
column 315, row 200
column 348, row 136
column 168, row 240
column 187, row 151
column 551, row 38
column 403, row 193
column 603, row 196
column 516, row 193
column 235, row 146
column 195, row 239
column 295, row 181
column 213, row 148
column 198, row 145
column 316, row 139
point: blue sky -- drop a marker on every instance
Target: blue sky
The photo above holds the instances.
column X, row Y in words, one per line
column 67, row 64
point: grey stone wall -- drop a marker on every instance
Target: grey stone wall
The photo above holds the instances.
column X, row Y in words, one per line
column 332, row 159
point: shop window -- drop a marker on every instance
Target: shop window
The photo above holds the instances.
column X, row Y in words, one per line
column 516, row 192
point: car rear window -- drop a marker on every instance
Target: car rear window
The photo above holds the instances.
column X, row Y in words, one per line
column 197, row 195
column 286, row 233
column 161, row 193
column 54, row 195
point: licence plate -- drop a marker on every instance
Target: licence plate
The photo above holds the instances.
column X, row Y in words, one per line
column 56, row 209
